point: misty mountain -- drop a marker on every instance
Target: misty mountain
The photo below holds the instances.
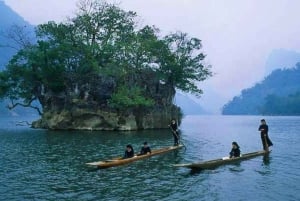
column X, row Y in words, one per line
column 188, row 105
column 7, row 18
column 280, row 59
column 8, row 21
column 277, row 94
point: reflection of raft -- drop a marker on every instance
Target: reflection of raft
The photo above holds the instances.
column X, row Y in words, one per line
column 222, row 161
column 120, row 161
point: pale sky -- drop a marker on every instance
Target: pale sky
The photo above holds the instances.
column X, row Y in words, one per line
column 237, row 35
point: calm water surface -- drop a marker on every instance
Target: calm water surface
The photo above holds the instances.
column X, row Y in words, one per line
column 50, row 165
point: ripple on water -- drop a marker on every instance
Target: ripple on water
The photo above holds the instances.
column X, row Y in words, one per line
column 42, row 165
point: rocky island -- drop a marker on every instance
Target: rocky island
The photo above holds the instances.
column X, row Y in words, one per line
column 98, row 71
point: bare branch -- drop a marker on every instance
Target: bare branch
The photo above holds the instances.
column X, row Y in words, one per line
column 13, row 105
column 22, row 123
column 19, row 36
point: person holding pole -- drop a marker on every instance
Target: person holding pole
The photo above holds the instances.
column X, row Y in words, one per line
column 263, row 128
column 174, row 128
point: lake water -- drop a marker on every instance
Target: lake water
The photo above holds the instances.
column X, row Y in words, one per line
column 50, row 165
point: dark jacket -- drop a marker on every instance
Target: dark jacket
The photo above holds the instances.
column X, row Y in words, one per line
column 145, row 150
column 129, row 154
column 174, row 126
column 263, row 128
column 235, row 153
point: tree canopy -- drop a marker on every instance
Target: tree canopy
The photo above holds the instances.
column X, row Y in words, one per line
column 101, row 47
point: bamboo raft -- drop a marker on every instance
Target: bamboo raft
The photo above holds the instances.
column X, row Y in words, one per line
column 120, row 161
column 211, row 164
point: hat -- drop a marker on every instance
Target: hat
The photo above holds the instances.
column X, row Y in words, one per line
column 145, row 143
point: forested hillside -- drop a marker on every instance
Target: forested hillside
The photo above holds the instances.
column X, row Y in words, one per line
column 277, row 94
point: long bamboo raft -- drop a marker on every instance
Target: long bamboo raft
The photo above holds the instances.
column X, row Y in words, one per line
column 120, row 161
column 211, row 164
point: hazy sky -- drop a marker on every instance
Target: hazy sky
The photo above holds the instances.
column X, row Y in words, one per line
column 237, row 35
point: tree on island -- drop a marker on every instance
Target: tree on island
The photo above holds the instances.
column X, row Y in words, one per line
column 97, row 64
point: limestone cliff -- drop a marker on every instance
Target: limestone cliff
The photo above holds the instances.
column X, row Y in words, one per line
column 89, row 119
column 87, row 107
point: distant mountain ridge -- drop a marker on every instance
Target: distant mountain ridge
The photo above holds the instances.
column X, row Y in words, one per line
column 277, row 94
column 9, row 18
column 8, row 13
column 188, row 105
column 281, row 59
column 281, row 85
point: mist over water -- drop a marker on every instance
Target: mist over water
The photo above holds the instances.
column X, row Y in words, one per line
column 50, row 165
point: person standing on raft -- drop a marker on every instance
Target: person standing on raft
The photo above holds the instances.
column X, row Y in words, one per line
column 264, row 129
column 174, row 128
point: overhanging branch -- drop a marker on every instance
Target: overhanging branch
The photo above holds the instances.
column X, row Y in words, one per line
column 13, row 105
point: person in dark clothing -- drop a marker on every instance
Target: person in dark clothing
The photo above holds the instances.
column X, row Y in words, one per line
column 145, row 149
column 235, row 151
column 263, row 128
column 175, row 132
column 129, row 152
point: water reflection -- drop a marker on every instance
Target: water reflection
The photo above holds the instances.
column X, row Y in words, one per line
column 266, row 159
column 195, row 171
column 52, row 164
column 236, row 168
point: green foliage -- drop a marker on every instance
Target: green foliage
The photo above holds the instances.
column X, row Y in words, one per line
column 127, row 97
column 277, row 105
column 182, row 63
column 99, row 44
